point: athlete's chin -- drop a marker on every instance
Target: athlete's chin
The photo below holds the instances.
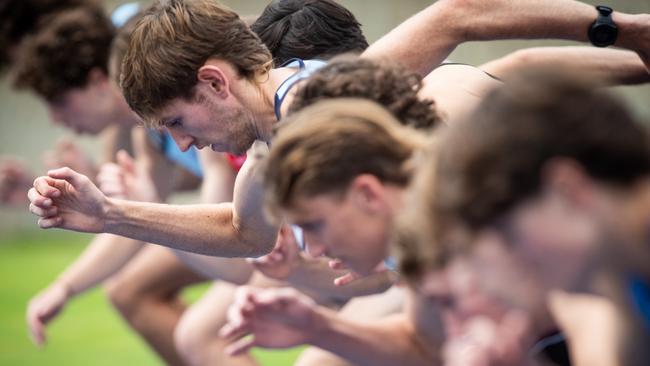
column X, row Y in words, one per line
column 232, row 147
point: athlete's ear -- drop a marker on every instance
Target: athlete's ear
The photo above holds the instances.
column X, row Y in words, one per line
column 96, row 75
column 568, row 179
column 367, row 192
column 100, row 82
column 215, row 78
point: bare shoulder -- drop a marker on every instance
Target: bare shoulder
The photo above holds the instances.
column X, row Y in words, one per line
column 456, row 88
column 462, row 76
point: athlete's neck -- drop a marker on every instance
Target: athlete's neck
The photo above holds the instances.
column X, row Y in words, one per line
column 259, row 99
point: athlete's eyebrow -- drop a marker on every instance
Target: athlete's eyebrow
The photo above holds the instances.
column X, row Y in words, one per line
column 166, row 121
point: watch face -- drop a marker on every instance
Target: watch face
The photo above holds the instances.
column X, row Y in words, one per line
column 603, row 35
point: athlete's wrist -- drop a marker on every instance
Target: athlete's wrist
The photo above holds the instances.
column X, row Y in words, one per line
column 112, row 216
column 63, row 285
column 322, row 328
column 634, row 30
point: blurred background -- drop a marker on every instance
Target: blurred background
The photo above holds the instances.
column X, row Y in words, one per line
column 30, row 258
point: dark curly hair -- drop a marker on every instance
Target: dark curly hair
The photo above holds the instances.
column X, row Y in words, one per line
column 19, row 18
column 385, row 83
column 60, row 56
column 308, row 29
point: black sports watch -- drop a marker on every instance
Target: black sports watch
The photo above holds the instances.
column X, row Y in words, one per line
column 603, row 31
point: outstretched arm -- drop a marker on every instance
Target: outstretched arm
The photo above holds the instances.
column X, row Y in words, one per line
column 68, row 200
column 423, row 41
column 609, row 66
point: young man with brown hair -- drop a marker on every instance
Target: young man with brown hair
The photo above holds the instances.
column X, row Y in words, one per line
column 62, row 80
column 69, row 85
column 43, row 64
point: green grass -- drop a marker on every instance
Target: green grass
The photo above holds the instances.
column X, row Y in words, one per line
column 89, row 332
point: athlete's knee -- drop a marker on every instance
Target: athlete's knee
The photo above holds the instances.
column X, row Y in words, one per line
column 313, row 356
column 191, row 340
column 123, row 295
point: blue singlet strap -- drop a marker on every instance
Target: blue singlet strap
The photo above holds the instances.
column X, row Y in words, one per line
column 305, row 69
column 640, row 293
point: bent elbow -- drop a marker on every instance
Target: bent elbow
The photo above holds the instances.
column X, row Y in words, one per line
column 259, row 247
column 255, row 242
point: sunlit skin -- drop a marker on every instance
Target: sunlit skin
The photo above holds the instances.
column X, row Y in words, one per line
column 353, row 226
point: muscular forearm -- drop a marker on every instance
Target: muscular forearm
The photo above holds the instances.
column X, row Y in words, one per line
column 606, row 66
column 203, row 229
column 389, row 341
column 237, row 229
column 103, row 257
column 315, row 275
column 425, row 40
